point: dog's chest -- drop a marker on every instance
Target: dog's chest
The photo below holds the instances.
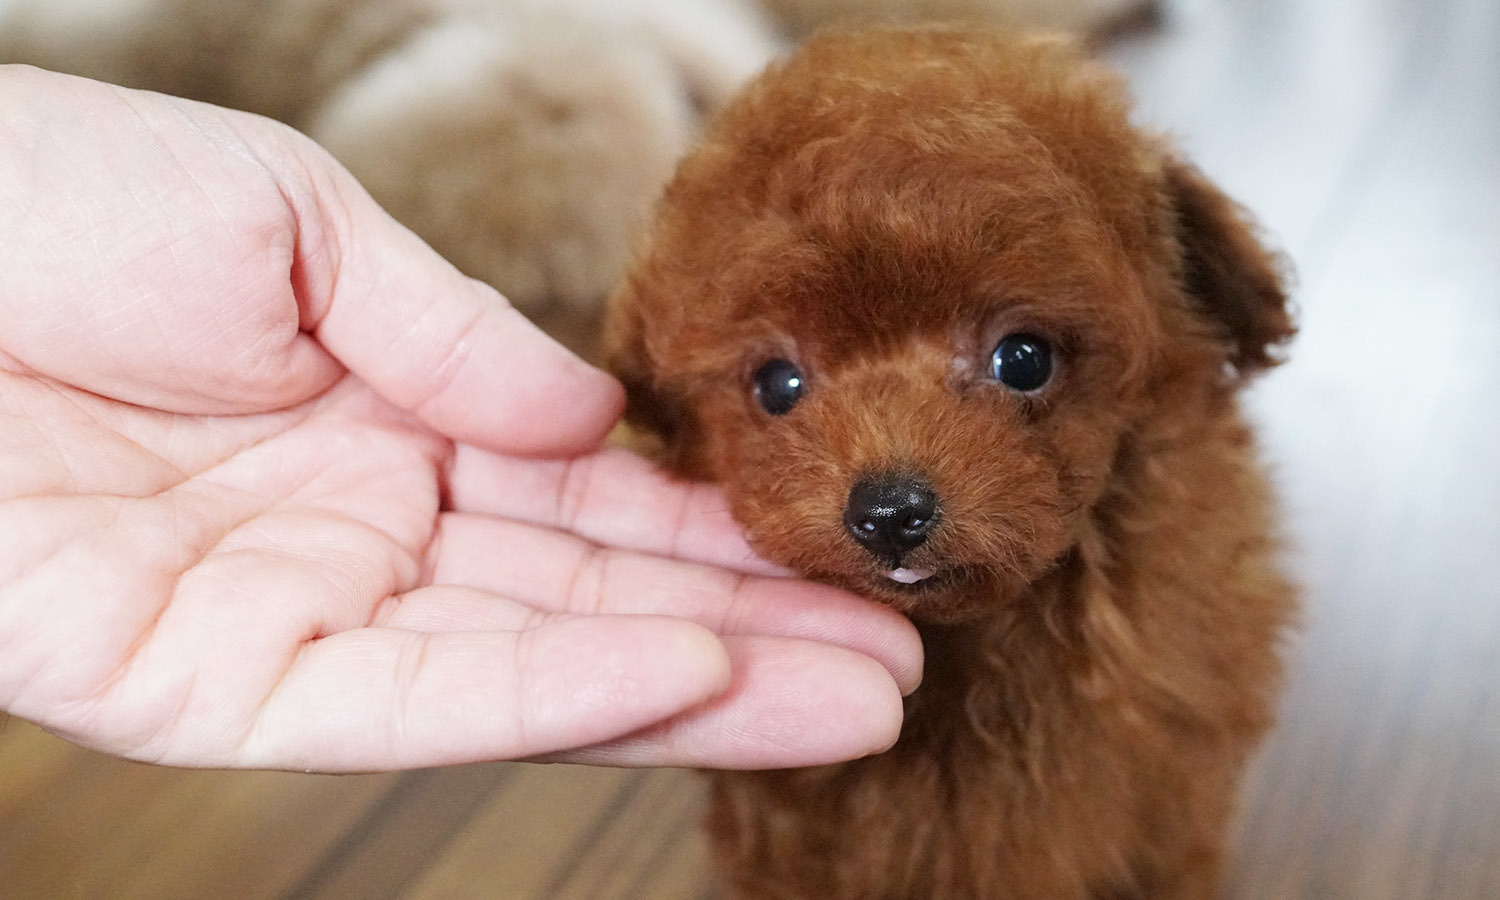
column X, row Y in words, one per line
column 985, row 769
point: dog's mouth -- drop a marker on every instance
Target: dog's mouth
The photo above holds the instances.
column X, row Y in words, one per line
column 911, row 577
column 909, row 587
column 937, row 594
column 912, row 582
column 933, row 589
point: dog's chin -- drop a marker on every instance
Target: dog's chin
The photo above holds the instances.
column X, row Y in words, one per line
column 937, row 596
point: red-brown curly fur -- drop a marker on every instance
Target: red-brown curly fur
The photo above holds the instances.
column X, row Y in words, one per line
column 880, row 210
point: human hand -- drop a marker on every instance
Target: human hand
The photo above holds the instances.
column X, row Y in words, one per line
column 280, row 488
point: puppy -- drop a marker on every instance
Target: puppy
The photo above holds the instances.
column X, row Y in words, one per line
column 952, row 334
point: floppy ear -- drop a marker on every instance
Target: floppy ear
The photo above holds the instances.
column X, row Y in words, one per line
column 650, row 408
column 1236, row 282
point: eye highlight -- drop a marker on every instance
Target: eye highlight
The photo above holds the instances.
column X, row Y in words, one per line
column 1022, row 362
column 777, row 386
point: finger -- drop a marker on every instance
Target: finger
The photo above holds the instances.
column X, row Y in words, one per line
column 790, row 703
column 612, row 497
column 195, row 282
column 446, row 607
column 426, row 337
column 558, row 572
column 466, row 363
column 377, row 699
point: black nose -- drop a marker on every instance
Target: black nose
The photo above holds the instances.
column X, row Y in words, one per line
column 891, row 515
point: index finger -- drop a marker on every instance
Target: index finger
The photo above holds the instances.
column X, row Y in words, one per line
column 611, row 497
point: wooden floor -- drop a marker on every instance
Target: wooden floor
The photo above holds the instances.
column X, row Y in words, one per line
column 1367, row 135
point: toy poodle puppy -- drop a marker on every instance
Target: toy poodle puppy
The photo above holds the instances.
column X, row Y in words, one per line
column 951, row 333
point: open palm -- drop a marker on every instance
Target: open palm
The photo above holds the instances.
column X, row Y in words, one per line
column 280, row 488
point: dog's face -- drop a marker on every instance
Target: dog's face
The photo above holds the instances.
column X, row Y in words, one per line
column 914, row 298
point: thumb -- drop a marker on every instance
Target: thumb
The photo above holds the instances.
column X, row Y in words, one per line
column 429, row 339
column 188, row 258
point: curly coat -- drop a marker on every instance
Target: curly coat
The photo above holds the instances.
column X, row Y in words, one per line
column 880, row 210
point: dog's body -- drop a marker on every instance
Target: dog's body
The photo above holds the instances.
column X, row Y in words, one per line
column 952, row 334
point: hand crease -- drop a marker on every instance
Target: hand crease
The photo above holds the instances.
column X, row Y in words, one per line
column 680, row 519
column 255, row 719
column 572, row 488
column 99, row 696
column 592, row 565
column 733, row 614
column 522, row 662
column 413, row 660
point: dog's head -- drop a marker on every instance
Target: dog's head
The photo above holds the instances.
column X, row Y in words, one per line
column 913, row 297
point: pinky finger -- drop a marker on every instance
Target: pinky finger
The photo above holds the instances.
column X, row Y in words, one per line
column 377, row 699
column 791, row 703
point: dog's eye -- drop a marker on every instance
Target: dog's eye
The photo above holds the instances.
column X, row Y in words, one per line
column 1022, row 362
column 778, row 386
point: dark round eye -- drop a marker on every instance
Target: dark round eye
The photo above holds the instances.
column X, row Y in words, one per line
column 778, row 386
column 1022, row 362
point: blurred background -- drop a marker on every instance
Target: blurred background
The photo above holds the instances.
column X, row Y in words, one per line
column 1365, row 135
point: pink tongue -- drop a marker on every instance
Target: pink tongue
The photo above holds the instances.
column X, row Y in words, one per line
column 909, row 576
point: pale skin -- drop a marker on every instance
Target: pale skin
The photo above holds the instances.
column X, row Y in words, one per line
column 280, row 488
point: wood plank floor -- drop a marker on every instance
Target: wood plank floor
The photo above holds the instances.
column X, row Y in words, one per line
column 1366, row 133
